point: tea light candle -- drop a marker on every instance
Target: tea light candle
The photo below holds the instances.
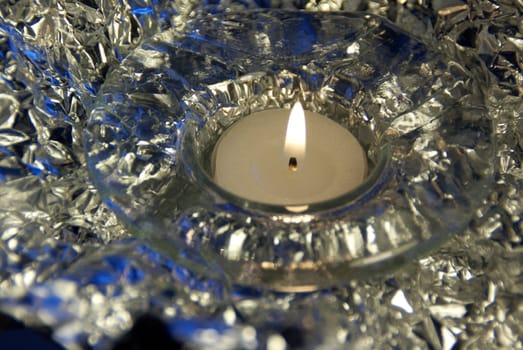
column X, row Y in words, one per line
column 292, row 160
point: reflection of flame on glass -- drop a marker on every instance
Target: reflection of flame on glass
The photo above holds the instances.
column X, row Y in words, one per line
column 297, row 208
column 296, row 137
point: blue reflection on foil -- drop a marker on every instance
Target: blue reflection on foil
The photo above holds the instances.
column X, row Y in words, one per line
column 304, row 37
column 313, row 80
column 33, row 55
column 50, row 302
column 152, row 255
column 142, row 11
column 50, row 107
column 103, row 278
column 92, row 88
column 34, row 170
column 241, row 292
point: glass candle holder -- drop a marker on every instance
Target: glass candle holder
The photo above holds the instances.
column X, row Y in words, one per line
column 417, row 109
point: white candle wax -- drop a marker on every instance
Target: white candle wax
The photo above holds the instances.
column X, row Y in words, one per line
column 252, row 159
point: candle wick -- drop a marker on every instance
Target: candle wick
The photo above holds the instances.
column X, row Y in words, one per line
column 293, row 164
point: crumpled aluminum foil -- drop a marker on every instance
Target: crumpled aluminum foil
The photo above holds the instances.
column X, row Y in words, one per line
column 68, row 264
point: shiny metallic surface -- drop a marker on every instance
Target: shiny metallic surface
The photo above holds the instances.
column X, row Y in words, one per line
column 68, row 263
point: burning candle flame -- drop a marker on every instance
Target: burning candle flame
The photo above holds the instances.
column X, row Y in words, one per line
column 296, row 137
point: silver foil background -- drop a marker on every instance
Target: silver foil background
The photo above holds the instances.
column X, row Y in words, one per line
column 67, row 263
